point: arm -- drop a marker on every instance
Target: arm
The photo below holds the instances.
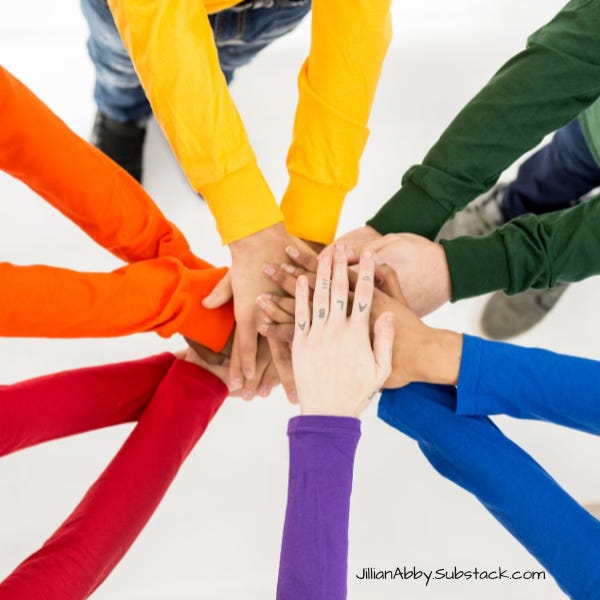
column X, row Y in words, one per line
column 337, row 373
column 172, row 47
column 337, row 84
column 158, row 295
column 535, row 93
column 81, row 182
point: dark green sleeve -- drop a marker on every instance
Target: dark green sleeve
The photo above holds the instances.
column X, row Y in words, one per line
column 536, row 92
column 531, row 251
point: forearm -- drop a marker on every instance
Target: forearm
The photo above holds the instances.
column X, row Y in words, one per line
column 190, row 99
column 337, row 84
column 81, row 182
column 159, row 295
column 535, row 93
column 315, row 533
column 70, row 402
column 532, row 251
column 528, row 383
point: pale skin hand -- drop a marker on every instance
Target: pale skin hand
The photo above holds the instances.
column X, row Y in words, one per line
column 354, row 241
column 245, row 282
column 421, row 268
column 337, row 370
column 421, row 353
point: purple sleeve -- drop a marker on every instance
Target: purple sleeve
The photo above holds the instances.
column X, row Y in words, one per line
column 314, row 550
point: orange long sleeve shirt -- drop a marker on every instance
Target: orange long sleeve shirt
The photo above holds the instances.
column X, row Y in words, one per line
column 160, row 291
column 172, row 48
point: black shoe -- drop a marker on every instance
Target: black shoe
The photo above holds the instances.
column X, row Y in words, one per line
column 123, row 142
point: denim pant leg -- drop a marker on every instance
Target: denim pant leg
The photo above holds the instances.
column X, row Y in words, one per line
column 555, row 177
column 242, row 31
column 474, row 454
column 118, row 92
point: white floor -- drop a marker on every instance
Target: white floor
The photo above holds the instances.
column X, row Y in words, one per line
column 216, row 536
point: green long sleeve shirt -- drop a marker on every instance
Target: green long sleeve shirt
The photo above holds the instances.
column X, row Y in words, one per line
column 535, row 93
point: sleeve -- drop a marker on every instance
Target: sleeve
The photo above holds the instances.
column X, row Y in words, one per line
column 172, row 48
column 158, row 295
column 161, row 293
column 314, row 550
column 531, row 251
column 535, row 93
column 71, row 402
column 336, row 85
column 81, row 182
column 528, row 383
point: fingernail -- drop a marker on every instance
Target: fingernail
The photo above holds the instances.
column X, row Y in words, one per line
column 208, row 298
column 293, row 397
column 368, row 254
column 379, row 260
column 288, row 268
column 389, row 319
column 236, row 383
column 264, row 391
column 291, row 251
column 269, row 269
column 340, row 247
column 261, row 302
column 247, row 395
column 350, row 253
column 248, row 373
column 263, row 328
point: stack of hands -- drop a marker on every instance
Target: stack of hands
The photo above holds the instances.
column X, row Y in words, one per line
column 378, row 284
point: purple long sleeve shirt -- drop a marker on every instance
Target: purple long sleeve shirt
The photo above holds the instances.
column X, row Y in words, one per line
column 314, row 550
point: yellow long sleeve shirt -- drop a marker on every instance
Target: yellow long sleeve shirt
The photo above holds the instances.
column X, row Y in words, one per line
column 172, row 48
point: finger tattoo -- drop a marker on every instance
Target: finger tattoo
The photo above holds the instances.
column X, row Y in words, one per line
column 361, row 306
column 302, row 325
column 341, row 303
column 321, row 313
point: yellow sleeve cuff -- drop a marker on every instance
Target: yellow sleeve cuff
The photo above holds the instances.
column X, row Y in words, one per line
column 241, row 203
column 312, row 210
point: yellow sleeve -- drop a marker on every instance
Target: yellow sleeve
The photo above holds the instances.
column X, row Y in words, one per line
column 172, row 48
column 336, row 83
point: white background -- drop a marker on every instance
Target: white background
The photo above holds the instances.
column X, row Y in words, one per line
column 217, row 534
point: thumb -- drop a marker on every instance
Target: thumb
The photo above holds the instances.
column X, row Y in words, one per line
column 221, row 293
column 383, row 345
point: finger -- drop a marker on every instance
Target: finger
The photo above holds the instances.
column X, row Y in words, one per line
column 302, row 316
column 263, row 359
column 321, row 295
column 272, row 311
column 285, row 303
column 236, row 377
column 220, row 294
column 282, row 358
column 279, row 333
column 363, row 293
column 387, row 281
column 270, row 378
column 284, row 279
column 383, row 345
column 247, row 338
column 379, row 243
column 339, row 285
column 309, row 262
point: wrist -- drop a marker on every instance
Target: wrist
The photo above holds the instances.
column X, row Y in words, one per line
column 274, row 233
column 437, row 359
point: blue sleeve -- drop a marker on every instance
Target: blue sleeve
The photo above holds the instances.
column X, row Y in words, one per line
column 528, row 383
column 314, row 550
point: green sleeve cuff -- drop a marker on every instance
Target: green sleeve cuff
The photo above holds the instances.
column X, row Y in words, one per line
column 410, row 210
column 477, row 265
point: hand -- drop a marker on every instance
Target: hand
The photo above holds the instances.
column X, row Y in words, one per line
column 421, row 268
column 355, row 241
column 246, row 282
column 337, row 370
column 421, row 353
column 220, row 370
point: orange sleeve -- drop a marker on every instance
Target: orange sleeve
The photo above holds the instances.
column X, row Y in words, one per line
column 155, row 295
column 81, row 182
column 163, row 294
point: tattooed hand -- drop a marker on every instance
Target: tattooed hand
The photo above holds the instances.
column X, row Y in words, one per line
column 336, row 368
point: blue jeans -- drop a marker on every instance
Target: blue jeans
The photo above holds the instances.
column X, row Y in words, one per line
column 240, row 33
column 555, row 177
